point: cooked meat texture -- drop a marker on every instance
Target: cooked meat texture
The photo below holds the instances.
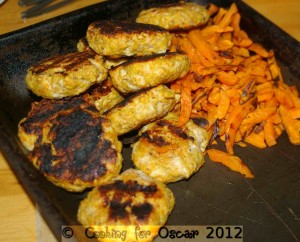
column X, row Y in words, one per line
column 30, row 128
column 105, row 96
column 177, row 16
column 141, row 108
column 116, row 38
column 110, row 63
column 170, row 153
column 66, row 75
column 83, row 45
column 99, row 98
column 149, row 71
column 79, row 149
column 130, row 199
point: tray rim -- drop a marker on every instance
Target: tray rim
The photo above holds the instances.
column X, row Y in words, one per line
column 7, row 141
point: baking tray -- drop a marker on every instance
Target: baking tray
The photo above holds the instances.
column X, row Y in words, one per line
column 267, row 206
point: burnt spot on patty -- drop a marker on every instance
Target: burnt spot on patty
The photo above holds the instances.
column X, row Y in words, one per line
column 142, row 211
column 154, row 139
column 75, row 148
column 128, row 100
column 178, row 131
column 63, row 63
column 121, row 203
column 114, row 27
column 131, row 187
column 46, row 109
column 147, row 58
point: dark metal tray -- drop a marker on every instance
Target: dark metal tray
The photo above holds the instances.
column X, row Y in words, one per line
column 267, row 206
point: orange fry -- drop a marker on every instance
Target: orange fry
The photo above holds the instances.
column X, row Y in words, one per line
column 197, row 39
column 292, row 126
column 231, row 161
column 185, row 105
column 234, row 120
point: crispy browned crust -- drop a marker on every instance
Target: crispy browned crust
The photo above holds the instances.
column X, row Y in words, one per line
column 132, row 198
column 175, row 16
column 117, row 27
column 77, row 150
column 44, row 110
column 117, row 38
column 69, row 62
column 158, row 140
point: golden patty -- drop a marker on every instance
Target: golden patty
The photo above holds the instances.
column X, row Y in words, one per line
column 141, row 108
column 79, row 149
column 130, row 199
column 169, row 153
column 149, row 71
column 66, row 75
column 117, row 39
column 178, row 16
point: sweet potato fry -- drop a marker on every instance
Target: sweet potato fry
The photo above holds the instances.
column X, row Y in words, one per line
column 269, row 133
column 226, row 78
column 256, row 139
column 197, row 39
column 236, row 83
column 224, row 103
column 258, row 49
column 212, row 9
column 185, row 105
column 232, row 162
column 234, row 120
column 225, row 21
column 292, row 126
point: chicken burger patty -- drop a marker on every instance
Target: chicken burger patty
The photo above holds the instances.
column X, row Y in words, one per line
column 105, row 96
column 99, row 98
column 178, row 16
column 141, row 108
column 83, row 45
column 66, row 75
column 116, row 38
column 149, row 71
column 79, row 149
column 131, row 199
column 170, row 153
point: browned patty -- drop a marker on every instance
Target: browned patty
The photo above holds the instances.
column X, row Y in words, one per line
column 66, row 75
column 79, row 149
column 175, row 16
column 130, row 199
column 30, row 128
column 115, row 38
column 99, row 98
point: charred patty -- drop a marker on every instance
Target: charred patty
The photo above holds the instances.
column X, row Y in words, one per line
column 99, row 98
column 150, row 71
column 131, row 199
column 66, row 75
column 141, row 108
column 79, row 149
column 116, row 38
column 170, row 153
column 178, row 16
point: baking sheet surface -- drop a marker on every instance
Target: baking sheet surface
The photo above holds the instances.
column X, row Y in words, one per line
column 267, row 206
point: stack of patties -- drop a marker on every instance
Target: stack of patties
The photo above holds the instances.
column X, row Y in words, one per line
column 117, row 84
column 141, row 79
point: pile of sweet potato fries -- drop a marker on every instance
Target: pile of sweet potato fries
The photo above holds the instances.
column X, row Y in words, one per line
column 237, row 86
